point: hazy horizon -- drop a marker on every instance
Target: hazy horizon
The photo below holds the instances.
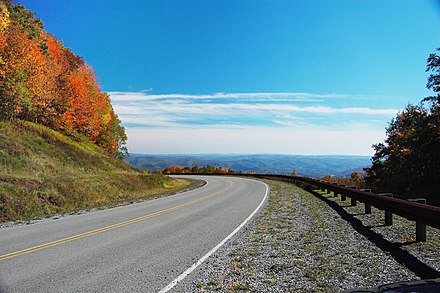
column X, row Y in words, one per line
column 248, row 154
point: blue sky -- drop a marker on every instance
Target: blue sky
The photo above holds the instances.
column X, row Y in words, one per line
column 297, row 77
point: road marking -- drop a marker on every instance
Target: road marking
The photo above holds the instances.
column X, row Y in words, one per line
column 108, row 228
column 212, row 251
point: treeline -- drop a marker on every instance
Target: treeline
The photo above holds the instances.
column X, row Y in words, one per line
column 44, row 82
column 356, row 179
column 208, row 169
column 408, row 162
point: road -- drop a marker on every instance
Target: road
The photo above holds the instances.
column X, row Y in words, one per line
column 141, row 247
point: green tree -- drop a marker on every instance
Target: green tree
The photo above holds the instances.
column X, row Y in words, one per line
column 196, row 169
column 120, row 137
column 408, row 162
column 433, row 66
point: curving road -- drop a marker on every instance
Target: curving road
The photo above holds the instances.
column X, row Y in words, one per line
column 143, row 247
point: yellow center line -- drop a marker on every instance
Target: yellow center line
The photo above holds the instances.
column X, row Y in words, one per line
column 107, row 228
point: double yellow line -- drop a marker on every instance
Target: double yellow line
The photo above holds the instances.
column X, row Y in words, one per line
column 107, row 228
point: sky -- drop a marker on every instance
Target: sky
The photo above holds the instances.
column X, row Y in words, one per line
column 234, row 76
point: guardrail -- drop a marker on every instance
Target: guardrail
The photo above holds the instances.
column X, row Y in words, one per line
column 414, row 210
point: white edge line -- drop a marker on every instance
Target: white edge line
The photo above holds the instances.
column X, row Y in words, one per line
column 212, row 251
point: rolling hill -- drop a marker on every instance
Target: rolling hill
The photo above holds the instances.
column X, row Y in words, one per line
column 311, row 166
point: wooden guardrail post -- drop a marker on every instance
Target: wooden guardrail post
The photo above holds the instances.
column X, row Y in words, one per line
column 335, row 194
column 367, row 206
column 388, row 214
column 388, row 218
column 343, row 197
column 353, row 200
column 420, row 228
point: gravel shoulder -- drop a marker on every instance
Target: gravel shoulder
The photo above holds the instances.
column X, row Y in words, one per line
column 313, row 242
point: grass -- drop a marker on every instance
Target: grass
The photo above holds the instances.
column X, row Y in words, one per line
column 240, row 287
column 43, row 172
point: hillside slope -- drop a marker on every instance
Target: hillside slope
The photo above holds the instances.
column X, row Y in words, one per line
column 43, row 172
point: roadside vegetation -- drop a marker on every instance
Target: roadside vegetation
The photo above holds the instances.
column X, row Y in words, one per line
column 44, row 172
column 356, row 179
column 196, row 169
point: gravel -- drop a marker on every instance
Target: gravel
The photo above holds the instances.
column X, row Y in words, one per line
column 316, row 243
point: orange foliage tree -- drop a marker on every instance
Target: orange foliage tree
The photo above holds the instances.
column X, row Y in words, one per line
column 208, row 169
column 44, row 82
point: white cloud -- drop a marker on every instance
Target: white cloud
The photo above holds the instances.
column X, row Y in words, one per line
column 298, row 97
column 178, row 107
column 291, row 123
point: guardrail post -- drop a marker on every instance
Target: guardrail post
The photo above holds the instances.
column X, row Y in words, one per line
column 367, row 206
column 420, row 232
column 420, row 228
column 353, row 200
column 388, row 218
column 335, row 194
column 388, row 214
column 343, row 197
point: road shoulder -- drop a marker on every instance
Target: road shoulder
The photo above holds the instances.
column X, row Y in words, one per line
column 300, row 243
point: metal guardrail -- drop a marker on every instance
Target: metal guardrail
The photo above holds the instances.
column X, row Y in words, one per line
column 413, row 210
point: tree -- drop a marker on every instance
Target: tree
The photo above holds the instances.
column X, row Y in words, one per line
column 196, row 169
column 44, row 82
column 356, row 176
column 433, row 65
column 408, row 162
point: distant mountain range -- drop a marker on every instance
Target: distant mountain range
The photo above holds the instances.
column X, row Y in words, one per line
column 310, row 166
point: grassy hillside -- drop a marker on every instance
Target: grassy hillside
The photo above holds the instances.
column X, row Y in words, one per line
column 43, row 172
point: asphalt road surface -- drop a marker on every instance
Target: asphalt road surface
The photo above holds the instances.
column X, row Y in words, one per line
column 143, row 247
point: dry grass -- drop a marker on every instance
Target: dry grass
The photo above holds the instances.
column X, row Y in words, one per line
column 43, row 172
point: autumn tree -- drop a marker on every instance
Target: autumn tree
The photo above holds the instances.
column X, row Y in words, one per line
column 196, row 169
column 408, row 162
column 44, row 82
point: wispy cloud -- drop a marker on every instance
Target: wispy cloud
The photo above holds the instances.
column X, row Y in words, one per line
column 240, row 117
column 231, row 108
column 298, row 97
